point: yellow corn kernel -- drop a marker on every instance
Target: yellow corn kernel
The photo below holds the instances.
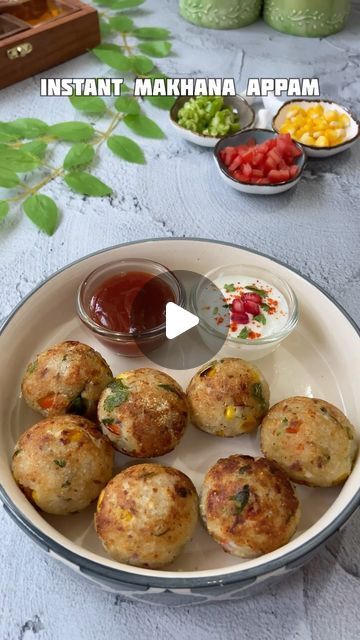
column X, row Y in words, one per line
column 294, row 111
column 345, row 120
column 322, row 142
column 306, row 138
column 318, row 108
column 100, row 499
column 76, row 436
column 230, row 412
column 124, row 514
column 331, row 115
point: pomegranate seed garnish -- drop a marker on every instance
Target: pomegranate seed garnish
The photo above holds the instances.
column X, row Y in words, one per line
column 251, row 307
column 241, row 318
column 252, row 297
column 237, row 305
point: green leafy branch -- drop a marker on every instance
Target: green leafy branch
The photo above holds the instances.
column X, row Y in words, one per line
column 132, row 56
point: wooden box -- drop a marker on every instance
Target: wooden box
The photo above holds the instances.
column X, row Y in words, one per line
column 29, row 49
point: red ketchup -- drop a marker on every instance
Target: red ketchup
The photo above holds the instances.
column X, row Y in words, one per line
column 132, row 302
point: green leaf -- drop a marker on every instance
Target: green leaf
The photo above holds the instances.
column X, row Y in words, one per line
column 35, row 148
column 125, row 88
column 141, row 64
column 244, row 333
column 17, row 160
column 105, row 28
column 79, row 155
column 119, row 394
column 265, row 306
column 29, row 127
column 261, row 292
column 127, row 104
column 86, row 184
column 143, row 126
column 229, row 288
column 123, row 24
column 4, row 209
column 43, row 211
column 152, row 33
column 8, row 178
column 260, row 318
column 7, row 134
column 171, row 388
column 241, row 499
column 60, row 463
column 111, row 55
column 161, row 102
column 126, row 149
column 88, row 104
column 158, row 48
column 72, row 131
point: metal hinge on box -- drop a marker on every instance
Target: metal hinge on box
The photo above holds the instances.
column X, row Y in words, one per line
column 20, row 51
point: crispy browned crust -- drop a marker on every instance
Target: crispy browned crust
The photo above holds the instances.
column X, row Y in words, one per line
column 61, row 374
column 153, row 418
column 228, row 382
column 62, row 463
column 249, row 505
column 311, row 439
column 130, row 527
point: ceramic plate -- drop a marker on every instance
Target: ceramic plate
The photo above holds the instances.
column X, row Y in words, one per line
column 321, row 358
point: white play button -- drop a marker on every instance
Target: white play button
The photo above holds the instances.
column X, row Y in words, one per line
column 178, row 320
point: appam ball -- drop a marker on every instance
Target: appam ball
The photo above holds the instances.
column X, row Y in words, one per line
column 248, row 505
column 66, row 378
column 311, row 440
column 62, row 463
column 143, row 413
column 146, row 514
column 228, row 397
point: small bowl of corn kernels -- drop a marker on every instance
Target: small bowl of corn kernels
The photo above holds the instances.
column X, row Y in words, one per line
column 324, row 128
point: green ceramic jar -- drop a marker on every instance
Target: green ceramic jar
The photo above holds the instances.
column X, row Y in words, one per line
column 220, row 14
column 307, row 17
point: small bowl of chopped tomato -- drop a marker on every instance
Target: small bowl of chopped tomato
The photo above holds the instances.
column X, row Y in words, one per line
column 260, row 161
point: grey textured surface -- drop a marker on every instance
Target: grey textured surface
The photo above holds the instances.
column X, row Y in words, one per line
column 314, row 228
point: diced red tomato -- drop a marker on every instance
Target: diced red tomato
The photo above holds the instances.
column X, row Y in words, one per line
column 270, row 162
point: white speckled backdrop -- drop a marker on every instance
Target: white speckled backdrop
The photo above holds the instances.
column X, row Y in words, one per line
column 314, row 228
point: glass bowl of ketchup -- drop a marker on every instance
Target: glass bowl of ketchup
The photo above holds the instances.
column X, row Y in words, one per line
column 123, row 303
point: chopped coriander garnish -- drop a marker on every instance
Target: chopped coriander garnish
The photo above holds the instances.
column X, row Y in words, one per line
column 260, row 318
column 229, row 288
column 32, row 366
column 244, row 333
column 265, row 306
column 215, row 311
column 241, row 499
column 169, row 387
column 60, row 463
column 261, row 292
column 226, row 306
column 119, row 394
column 285, row 421
column 245, row 468
column 257, row 392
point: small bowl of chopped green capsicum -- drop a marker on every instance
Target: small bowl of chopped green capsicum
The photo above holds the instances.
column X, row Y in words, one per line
column 204, row 120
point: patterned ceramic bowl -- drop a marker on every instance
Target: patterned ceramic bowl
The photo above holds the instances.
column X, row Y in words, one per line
column 307, row 17
column 220, row 14
column 312, row 361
